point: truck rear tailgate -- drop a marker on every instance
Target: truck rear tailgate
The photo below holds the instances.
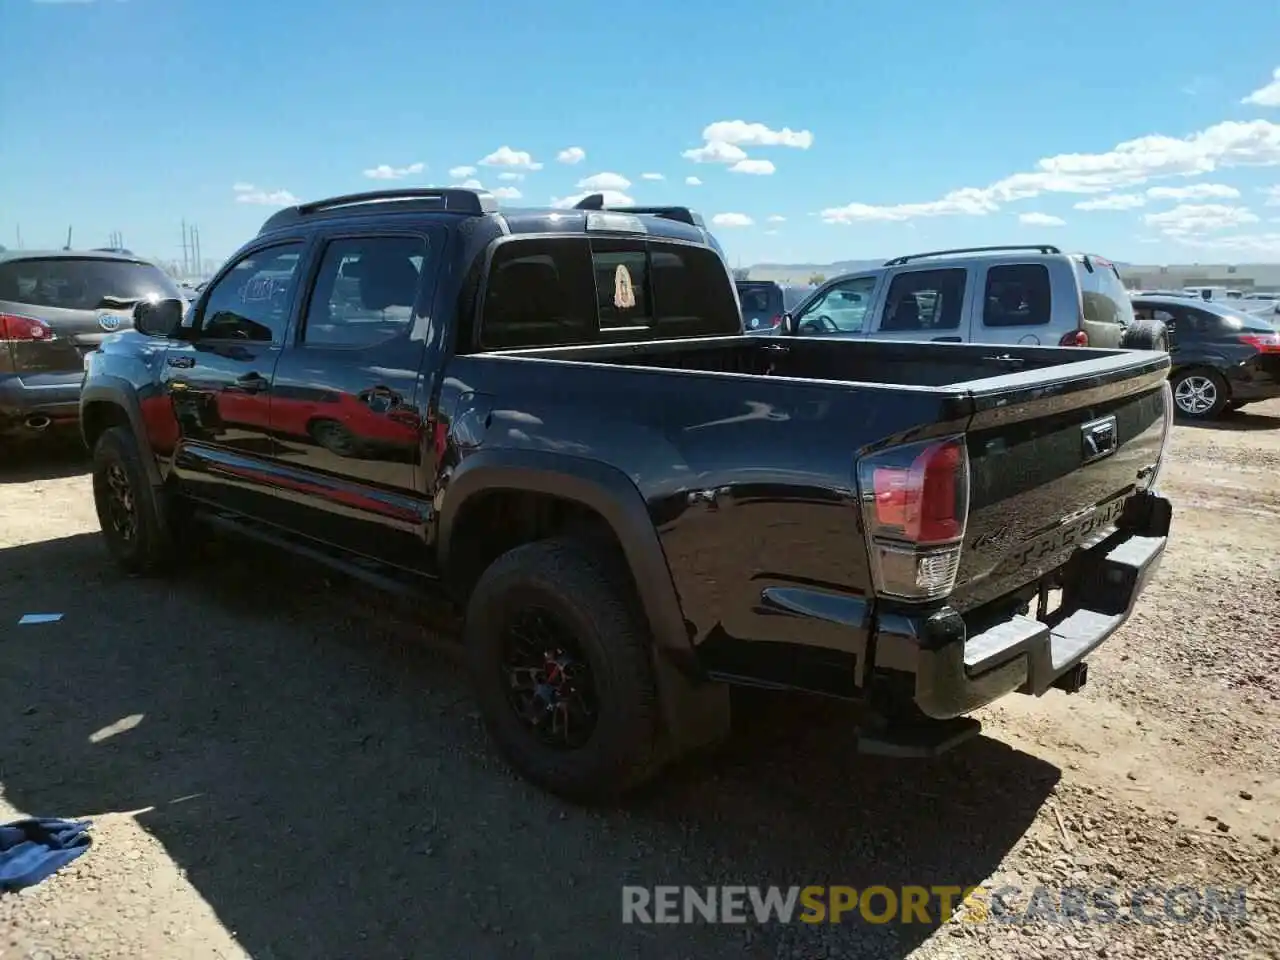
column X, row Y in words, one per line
column 1052, row 462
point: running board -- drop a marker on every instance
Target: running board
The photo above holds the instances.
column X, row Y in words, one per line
column 364, row 569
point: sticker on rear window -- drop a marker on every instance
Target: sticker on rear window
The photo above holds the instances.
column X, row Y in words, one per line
column 624, row 294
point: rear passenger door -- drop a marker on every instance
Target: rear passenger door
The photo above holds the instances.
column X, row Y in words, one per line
column 347, row 391
column 925, row 305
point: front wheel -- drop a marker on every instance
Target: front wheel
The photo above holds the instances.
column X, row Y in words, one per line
column 1200, row 394
column 559, row 658
column 129, row 507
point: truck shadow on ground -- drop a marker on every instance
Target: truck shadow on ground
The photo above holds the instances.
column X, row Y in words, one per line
column 44, row 458
column 322, row 777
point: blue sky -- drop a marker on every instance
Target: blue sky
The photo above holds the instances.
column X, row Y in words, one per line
column 871, row 129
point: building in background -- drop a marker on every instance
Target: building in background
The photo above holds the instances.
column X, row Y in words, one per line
column 1245, row 277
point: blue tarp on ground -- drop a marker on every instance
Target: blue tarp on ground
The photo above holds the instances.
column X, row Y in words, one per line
column 34, row 849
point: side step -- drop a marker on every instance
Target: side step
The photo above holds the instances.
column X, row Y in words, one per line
column 918, row 739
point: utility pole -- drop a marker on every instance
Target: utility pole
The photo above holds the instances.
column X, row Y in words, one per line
column 195, row 237
column 19, row 236
column 68, row 246
column 185, row 269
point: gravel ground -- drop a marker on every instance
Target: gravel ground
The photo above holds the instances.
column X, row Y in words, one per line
column 278, row 766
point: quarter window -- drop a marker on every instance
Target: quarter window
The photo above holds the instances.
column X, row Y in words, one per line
column 1017, row 295
column 252, row 300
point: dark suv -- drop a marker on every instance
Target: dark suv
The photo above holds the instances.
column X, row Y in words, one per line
column 55, row 307
column 764, row 302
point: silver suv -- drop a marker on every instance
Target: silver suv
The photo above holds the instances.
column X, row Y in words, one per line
column 1033, row 295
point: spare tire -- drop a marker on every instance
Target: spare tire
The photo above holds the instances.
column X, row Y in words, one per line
column 1145, row 335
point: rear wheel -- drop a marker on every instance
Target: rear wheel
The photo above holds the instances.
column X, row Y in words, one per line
column 1200, row 394
column 130, row 509
column 559, row 658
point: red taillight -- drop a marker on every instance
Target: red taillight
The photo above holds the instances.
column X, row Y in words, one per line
column 16, row 327
column 915, row 507
column 1076, row 338
column 1262, row 342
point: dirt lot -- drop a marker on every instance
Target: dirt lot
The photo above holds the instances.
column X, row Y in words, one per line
column 278, row 766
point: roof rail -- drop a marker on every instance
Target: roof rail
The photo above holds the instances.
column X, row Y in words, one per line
column 1040, row 247
column 595, row 201
column 452, row 199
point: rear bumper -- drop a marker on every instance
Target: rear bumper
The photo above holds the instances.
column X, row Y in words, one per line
column 957, row 672
column 56, row 396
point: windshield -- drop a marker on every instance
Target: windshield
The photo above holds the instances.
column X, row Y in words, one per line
column 74, row 283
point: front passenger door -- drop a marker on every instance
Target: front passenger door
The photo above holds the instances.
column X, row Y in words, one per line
column 217, row 379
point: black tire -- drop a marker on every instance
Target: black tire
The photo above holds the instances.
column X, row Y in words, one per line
column 1145, row 335
column 572, row 584
column 137, row 533
column 1208, row 385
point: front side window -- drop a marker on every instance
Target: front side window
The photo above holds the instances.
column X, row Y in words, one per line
column 924, row 300
column 1017, row 295
column 365, row 291
column 251, row 301
column 842, row 308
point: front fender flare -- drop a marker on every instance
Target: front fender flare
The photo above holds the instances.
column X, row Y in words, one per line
column 120, row 393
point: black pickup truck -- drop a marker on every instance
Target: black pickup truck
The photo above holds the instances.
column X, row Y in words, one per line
column 553, row 419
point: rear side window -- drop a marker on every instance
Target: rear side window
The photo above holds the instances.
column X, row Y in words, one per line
column 561, row 292
column 925, row 300
column 1102, row 295
column 82, row 283
column 1017, row 295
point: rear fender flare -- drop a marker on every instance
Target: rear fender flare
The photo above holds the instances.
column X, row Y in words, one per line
column 119, row 393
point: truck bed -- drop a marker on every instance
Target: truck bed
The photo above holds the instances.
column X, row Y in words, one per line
column 775, row 426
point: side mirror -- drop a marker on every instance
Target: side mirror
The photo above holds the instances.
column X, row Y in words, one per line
column 786, row 324
column 158, row 318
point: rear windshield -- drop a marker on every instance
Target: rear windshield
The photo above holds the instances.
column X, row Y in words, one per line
column 568, row 291
column 760, row 299
column 87, row 283
column 1103, row 296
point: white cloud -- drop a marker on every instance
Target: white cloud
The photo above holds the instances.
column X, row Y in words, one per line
column 507, row 193
column 248, row 193
column 571, row 155
column 732, row 220
column 460, row 173
column 1268, row 96
column 612, row 198
column 1196, row 191
column 472, row 184
column 1131, row 163
column 652, row 176
column 384, row 171
column 1113, row 201
column 1273, row 196
column 510, row 176
column 715, row 152
column 504, row 156
column 692, row 182
column 1192, row 218
column 742, row 133
column 758, row 167
column 604, row 181
column 777, row 218
column 1040, row 220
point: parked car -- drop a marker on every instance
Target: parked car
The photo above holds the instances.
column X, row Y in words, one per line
column 55, row 306
column 634, row 504
column 764, row 302
column 1031, row 296
column 1223, row 357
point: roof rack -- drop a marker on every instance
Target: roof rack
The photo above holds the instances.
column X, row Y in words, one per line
column 452, row 199
column 595, row 201
column 1040, row 247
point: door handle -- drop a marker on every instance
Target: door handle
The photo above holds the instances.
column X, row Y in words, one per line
column 946, row 340
column 252, row 383
column 185, row 363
